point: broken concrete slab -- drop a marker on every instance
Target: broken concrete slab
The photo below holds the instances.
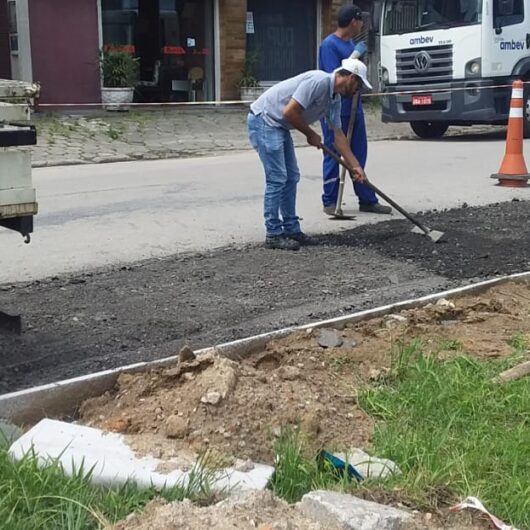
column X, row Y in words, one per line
column 114, row 463
column 330, row 338
column 328, row 507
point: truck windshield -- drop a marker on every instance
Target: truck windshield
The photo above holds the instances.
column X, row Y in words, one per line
column 406, row 16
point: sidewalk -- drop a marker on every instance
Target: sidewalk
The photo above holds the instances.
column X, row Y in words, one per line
column 96, row 137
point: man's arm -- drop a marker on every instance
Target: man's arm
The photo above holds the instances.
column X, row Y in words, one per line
column 293, row 114
column 341, row 143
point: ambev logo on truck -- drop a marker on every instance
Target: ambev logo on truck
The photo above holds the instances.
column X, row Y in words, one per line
column 421, row 40
column 513, row 45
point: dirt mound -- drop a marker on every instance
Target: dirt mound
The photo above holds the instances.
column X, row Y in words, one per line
column 309, row 379
column 237, row 408
column 254, row 510
column 263, row 511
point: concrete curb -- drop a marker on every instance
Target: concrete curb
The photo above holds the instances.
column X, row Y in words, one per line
column 62, row 398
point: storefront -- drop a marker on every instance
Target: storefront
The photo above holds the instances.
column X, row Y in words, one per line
column 174, row 41
column 189, row 50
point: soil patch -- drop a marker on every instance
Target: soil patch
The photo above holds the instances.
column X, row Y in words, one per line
column 237, row 409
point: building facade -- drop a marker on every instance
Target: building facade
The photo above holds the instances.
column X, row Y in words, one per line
column 187, row 49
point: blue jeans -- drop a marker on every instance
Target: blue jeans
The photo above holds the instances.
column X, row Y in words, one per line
column 276, row 151
column 359, row 146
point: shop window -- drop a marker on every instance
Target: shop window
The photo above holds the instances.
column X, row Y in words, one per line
column 173, row 40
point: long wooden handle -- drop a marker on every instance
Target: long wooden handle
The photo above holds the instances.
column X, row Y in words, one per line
column 392, row 203
column 351, row 125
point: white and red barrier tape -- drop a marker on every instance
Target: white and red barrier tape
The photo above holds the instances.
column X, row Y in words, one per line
column 239, row 102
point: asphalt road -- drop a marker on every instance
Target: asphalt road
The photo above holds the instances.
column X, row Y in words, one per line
column 105, row 214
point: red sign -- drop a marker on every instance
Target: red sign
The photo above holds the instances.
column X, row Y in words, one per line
column 421, row 100
column 174, row 50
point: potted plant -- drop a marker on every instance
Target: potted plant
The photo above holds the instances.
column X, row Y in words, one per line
column 249, row 86
column 119, row 71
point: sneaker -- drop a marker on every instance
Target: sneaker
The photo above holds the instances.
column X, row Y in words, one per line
column 303, row 239
column 330, row 210
column 282, row 243
column 375, row 208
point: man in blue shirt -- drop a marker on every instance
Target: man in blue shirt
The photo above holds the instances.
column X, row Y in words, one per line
column 296, row 103
column 333, row 50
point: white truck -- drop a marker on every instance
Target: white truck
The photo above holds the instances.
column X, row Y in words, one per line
column 17, row 196
column 436, row 55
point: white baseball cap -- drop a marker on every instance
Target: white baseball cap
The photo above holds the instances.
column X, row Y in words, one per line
column 355, row 67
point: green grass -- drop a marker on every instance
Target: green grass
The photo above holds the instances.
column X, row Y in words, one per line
column 296, row 474
column 455, row 433
column 520, row 342
column 32, row 498
column 451, row 430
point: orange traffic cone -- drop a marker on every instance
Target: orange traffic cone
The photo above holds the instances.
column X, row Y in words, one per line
column 513, row 172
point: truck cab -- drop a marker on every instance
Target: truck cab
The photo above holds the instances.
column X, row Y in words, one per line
column 452, row 62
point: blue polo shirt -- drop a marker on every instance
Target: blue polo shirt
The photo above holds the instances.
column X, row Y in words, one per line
column 313, row 90
column 331, row 53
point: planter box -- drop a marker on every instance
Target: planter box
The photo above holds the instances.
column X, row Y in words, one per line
column 250, row 94
column 116, row 98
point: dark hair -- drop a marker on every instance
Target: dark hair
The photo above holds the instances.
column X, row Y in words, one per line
column 347, row 13
column 344, row 73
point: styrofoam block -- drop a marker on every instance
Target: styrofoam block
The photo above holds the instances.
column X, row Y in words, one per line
column 113, row 462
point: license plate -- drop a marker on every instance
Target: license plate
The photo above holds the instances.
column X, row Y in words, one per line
column 421, row 100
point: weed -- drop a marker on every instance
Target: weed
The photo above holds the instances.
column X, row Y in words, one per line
column 403, row 355
column 337, row 362
column 520, row 342
column 114, row 132
column 450, row 345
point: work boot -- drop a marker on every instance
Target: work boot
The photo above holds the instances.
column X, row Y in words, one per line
column 282, row 243
column 303, row 239
column 330, row 210
column 375, row 208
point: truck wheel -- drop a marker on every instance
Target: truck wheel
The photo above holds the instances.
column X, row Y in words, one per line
column 429, row 129
column 526, row 108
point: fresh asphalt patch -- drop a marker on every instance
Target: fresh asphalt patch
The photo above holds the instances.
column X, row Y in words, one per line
column 77, row 324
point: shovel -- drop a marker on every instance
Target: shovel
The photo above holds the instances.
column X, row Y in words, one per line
column 339, row 214
column 433, row 235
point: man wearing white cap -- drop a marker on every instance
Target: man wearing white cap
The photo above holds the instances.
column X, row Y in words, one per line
column 296, row 103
